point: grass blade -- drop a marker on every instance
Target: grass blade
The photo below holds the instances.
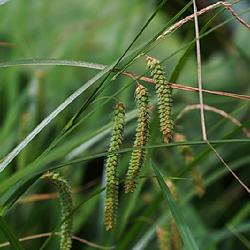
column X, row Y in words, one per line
column 52, row 62
column 10, row 235
column 8, row 159
column 8, row 199
column 184, row 230
column 91, row 196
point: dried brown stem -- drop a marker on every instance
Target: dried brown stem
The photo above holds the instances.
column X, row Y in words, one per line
column 199, row 73
column 45, row 235
column 188, row 88
column 218, row 111
column 6, row 44
column 228, row 167
column 226, row 5
column 54, row 195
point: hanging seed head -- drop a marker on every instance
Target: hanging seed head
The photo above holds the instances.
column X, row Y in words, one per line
column 111, row 196
column 65, row 194
column 141, row 139
column 164, row 97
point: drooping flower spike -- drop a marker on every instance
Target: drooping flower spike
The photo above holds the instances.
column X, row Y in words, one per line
column 65, row 195
column 141, row 139
column 112, row 182
column 164, row 98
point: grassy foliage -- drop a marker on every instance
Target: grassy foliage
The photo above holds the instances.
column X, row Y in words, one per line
column 83, row 58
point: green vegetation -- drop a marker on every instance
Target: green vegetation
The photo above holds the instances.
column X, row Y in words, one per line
column 64, row 66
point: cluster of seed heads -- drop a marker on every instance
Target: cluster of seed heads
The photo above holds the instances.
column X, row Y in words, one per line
column 164, row 98
column 112, row 183
column 141, row 138
column 65, row 195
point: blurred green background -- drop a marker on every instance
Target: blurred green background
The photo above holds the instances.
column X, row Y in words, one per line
column 100, row 32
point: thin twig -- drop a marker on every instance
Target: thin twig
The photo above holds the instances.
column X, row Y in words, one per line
column 83, row 64
column 226, row 5
column 54, row 195
column 214, row 92
column 45, row 235
column 188, row 88
column 199, row 73
column 38, row 197
column 218, row 111
column 6, row 44
column 228, row 168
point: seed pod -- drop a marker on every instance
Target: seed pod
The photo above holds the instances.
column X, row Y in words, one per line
column 164, row 96
column 111, row 198
column 141, row 139
column 65, row 195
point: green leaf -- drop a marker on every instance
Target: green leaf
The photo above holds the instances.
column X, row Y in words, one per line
column 52, row 62
column 88, row 198
column 184, row 230
column 181, row 63
column 10, row 235
column 8, row 199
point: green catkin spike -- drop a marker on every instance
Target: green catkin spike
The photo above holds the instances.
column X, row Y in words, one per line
column 141, row 139
column 65, row 195
column 164, row 96
column 111, row 196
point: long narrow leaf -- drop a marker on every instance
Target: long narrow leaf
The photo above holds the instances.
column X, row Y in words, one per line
column 40, row 165
column 184, row 230
column 10, row 235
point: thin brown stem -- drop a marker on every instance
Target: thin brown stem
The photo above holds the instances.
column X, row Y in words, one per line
column 50, row 196
column 218, row 111
column 228, row 168
column 187, row 88
column 45, row 235
column 6, row 44
column 199, row 72
column 226, row 5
